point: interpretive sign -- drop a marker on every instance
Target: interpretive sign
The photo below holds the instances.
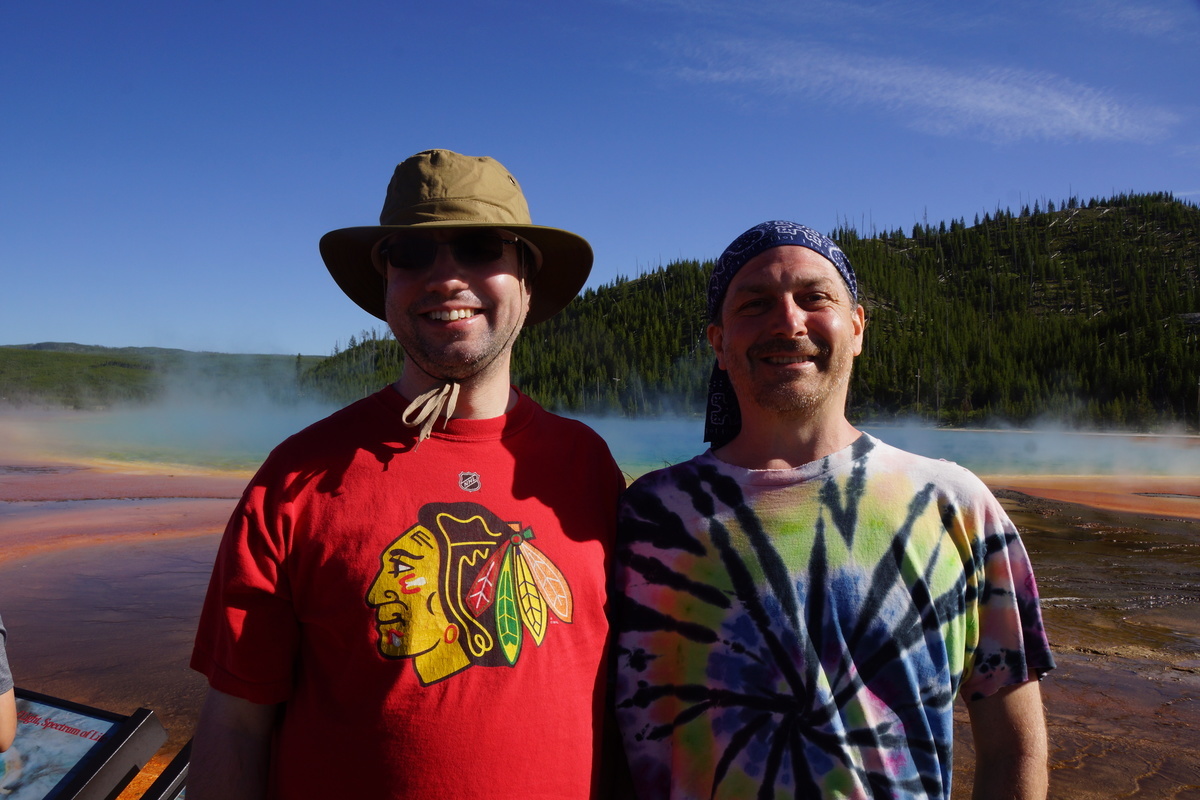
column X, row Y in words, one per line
column 68, row 751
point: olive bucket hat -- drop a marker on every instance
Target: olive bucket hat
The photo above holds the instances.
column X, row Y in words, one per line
column 443, row 189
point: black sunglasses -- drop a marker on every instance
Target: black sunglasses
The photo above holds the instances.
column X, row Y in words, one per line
column 413, row 253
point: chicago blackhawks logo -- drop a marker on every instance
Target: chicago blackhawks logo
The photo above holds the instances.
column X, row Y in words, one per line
column 460, row 588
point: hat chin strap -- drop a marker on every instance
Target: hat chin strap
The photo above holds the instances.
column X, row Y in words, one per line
column 423, row 412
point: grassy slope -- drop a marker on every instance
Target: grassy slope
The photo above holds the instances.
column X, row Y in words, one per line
column 85, row 376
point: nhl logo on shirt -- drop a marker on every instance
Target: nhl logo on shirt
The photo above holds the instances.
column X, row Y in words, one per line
column 468, row 481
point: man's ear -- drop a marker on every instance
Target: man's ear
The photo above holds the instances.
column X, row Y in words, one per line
column 527, row 285
column 859, row 322
column 716, row 340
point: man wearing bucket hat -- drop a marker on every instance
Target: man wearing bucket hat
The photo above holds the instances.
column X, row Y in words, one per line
column 410, row 600
column 800, row 605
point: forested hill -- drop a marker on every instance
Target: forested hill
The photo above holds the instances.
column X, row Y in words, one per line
column 1086, row 313
column 69, row 375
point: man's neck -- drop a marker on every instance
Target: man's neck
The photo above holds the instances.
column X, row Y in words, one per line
column 786, row 444
column 479, row 397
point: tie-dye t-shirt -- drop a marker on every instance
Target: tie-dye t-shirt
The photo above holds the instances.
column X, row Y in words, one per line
column 804, row 632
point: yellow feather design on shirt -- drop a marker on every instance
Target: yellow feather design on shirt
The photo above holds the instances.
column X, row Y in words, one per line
column 529, row 599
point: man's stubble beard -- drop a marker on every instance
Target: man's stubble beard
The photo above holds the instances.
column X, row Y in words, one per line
column 794, row 400
column 442, row 359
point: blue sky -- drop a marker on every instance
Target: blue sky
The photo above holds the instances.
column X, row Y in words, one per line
column 168, row 168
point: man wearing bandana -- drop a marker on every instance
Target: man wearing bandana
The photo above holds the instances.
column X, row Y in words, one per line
column 410, row 599
column 800, row 605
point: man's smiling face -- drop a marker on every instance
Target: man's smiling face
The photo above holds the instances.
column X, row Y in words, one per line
column 788, row 334
column 455, row 320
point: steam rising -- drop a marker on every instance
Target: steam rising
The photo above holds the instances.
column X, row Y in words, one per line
column 225, row 412
column 641, row 445
column 208, row 427
column 221, row 435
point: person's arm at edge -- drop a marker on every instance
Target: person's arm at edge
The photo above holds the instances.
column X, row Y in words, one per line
column 231, row 750
column 8, row 719
column 1009, row 729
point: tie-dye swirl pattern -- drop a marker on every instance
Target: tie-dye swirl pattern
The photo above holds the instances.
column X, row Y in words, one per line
column 803, row 633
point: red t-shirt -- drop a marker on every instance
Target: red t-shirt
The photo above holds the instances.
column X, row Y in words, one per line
column 432, row 617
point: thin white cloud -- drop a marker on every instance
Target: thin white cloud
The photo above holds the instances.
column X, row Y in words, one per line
column 1152, row 19
column 995, row 104
column 1167, row 19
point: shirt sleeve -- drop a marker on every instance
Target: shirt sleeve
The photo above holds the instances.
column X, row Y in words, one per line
column 1011, row 642
column 248, row 636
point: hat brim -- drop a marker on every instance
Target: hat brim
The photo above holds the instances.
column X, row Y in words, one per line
column 566, row 264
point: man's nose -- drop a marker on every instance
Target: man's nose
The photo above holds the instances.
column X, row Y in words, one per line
column 789, row 319
column 445, row 272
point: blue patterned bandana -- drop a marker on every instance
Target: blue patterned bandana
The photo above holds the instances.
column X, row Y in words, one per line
column 723, row 417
